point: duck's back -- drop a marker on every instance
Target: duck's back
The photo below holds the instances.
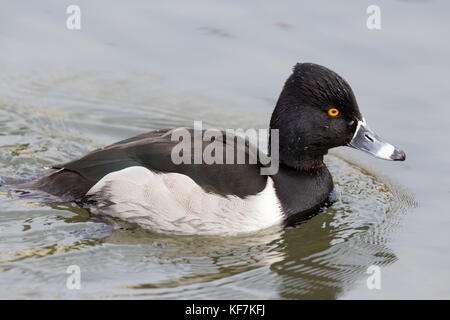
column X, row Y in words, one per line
column 71, row 181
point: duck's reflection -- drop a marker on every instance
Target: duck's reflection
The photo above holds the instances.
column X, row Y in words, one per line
column 310, row 261
column 319, row 264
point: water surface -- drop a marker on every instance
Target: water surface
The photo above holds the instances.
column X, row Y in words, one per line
column 134, row 68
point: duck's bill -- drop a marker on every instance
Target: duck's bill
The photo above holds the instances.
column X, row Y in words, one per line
column 366, row 140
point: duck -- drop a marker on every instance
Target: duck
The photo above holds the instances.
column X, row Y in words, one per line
column 136, row 180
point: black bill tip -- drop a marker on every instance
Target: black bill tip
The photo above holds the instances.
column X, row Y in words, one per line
column 398, row 155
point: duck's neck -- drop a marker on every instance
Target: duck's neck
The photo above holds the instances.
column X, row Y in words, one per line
column 298, row 157
column 302, row 162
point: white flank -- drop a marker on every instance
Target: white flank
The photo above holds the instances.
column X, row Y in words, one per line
column 174, row 203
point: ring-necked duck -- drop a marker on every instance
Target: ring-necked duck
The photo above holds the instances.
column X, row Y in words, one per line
column 136, row 180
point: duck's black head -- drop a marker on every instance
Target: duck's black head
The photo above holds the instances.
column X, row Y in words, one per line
column 317, row 111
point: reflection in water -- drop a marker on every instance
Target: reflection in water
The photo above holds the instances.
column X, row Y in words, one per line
column 49, row 119
column 212, row 258
column 316, row 268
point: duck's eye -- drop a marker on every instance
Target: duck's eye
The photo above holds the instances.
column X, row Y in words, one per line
column 333, row 112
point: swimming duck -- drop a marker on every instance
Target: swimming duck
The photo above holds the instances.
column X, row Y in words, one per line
column 136, row 180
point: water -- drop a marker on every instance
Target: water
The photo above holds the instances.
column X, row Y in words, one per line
column 133, row 68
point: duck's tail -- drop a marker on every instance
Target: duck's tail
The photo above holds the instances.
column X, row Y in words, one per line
column 58, row 186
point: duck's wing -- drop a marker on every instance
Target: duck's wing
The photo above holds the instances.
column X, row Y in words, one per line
column 153, row 151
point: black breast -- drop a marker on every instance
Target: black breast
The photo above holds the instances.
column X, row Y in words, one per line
column 302, row 193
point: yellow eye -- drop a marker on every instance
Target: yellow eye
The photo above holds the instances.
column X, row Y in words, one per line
column 333, row 112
